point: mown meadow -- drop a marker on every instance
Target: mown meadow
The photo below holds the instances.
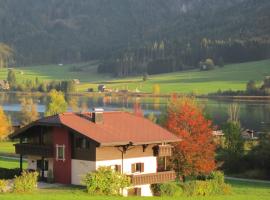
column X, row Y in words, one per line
column 233, row 76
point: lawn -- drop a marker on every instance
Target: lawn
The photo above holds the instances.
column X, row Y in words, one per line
column 7, row 147
column 11, row 163
column 241, row 191
column 233, row 76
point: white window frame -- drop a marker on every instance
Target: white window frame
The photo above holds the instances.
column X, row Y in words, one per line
column 60, row 146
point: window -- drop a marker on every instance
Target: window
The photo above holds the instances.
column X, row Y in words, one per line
column 137, row 167
column 60, row 152
column 82, row 143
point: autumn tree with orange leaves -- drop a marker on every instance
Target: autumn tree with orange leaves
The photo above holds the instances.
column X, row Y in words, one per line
column 195, row 154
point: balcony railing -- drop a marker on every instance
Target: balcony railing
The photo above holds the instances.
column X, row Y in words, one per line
column 34, row 150
column 159, row 177
column 163, row 150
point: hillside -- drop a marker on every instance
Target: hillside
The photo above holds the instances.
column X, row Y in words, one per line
column 234, row 76
column 66, row 31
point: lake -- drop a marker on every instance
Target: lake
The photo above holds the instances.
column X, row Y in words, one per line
column 253, row 114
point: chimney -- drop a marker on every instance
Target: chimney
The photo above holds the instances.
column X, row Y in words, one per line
column 97, row 115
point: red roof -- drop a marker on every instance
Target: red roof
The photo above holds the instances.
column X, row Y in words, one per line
column 118, row 128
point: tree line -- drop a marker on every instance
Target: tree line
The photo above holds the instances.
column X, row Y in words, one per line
column 167, row 56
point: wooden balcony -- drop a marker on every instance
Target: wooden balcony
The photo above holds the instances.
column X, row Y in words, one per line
column 163, row 150
column 159, row 177
column 34, row 150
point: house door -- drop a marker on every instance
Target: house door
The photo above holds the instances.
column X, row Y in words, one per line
column 43, row 168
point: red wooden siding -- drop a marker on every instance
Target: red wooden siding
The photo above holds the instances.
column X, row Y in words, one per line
column 62, row 169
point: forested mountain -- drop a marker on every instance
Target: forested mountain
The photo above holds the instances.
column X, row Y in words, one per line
column 132, row 36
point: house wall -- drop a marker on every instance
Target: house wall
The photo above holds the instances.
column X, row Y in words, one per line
column 110, row 156
column 79, row 169
column 62, row 168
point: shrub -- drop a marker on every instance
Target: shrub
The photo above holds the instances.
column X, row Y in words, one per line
column 171, row 189
column 213, row 185
column 105, row 181
column 27, row 182
column 218, row 176
column 3, row 186
column 9, row 173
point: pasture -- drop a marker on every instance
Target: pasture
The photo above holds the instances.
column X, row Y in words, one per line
column 233, row 76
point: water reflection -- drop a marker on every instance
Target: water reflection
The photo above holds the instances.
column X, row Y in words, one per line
column 253, row 114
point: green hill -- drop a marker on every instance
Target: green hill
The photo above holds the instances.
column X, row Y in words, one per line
column 233, row 76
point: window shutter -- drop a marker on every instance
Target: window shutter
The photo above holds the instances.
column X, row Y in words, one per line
column 133, row 168
column 142, row 167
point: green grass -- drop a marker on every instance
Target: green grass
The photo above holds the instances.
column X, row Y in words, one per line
column 241, row 191
column 11, row 163
column 56, row 72
column 233, row 76
column 7, row 147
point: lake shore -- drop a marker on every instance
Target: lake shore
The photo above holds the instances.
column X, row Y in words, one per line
column 141, row 94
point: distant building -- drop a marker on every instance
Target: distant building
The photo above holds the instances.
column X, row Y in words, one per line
column 101, row 88
column 4, row 85
column 76, row 81
column 249, row 135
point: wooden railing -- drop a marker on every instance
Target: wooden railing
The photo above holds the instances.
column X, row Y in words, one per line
column 34, row 150
column 163, row 150
column 159, row 177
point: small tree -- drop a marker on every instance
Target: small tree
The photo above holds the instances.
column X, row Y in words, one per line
column 28, row 112
column 251, row 87
column 11, row 78
column 105, row 181
column 156, row 89
column 209, row 63
column 145, row 77
column 195, row 154
column 56, row 104
column 234, row 142
column 5, row 125
column 234, row 146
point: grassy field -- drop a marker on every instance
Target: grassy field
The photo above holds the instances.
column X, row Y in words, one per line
column 87, row 74
column 11, row 163
column 241, row 191
column 7, row 147
column 234, row 76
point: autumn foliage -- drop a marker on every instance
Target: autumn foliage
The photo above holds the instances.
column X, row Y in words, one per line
column 5, row 125
column 194, row 155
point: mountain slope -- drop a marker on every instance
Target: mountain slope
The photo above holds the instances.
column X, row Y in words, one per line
column 54, row 31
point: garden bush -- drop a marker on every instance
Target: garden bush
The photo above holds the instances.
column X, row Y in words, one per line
column 105, row 181
column 3, row 186
column 213, row 185
column 27, row 182
column 9, row 173
column 171, row 189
